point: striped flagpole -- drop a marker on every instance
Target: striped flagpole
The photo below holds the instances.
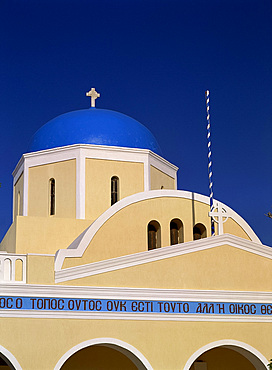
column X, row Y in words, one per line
column 207, row 95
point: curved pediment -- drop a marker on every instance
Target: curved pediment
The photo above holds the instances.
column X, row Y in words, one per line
column 122, row 229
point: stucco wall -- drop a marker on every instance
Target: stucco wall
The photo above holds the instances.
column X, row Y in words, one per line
column 160, row 180
column 40, row 343
column 46, row 234
column 98, row 183
column 218, row 268
column 64, row 174
column 126, row 231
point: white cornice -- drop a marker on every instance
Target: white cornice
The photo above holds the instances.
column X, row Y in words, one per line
column 160, row 254
column 132, row 316
column 80, row 152
column 19, row 169
column 90, row 151
column 90, row 292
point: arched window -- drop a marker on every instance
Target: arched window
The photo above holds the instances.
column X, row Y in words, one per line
column 114, row 189
column 176, row 231
column 154, row 235
column 199, row 231
column 52, row 198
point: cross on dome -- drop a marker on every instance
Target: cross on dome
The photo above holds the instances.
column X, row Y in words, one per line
column 94, row 95
column 219, row 215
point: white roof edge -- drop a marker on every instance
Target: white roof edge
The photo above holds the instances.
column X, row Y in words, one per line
column 132, row 292
column 136, row 259
column 68, row 148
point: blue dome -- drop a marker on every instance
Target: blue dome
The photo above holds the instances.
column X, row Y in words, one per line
column 93, row 126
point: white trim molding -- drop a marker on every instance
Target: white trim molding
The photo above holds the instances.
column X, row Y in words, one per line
column 254, row 356
column 154, row 255
column 132, row 316
column 78, row 247
column 81, row 152
column 80, row 184
column 9, row 356
column 8, row 272
column 127, row 349
column 66, row 291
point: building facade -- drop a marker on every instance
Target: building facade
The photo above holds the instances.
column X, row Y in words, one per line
column 108, row 266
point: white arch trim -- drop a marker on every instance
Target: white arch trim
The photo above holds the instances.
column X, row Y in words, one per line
column 80, row 244
column 9, row 356
column 254, row 356
column 137, row 358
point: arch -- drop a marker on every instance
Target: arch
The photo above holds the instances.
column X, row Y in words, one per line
column 7, row 269
column 249, row 352
column 9, row 359
column 153, row 235
column 79, row 245
column 131, row 352
column 114, row 189
column 199, row 231
column 176, row 231
column 52, row 197
column 18, row 269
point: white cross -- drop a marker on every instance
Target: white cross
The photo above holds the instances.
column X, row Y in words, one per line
column 94, row 95
column 220, row 216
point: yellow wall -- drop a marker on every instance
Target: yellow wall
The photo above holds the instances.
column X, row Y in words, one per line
column 126, row 232
column 218, row 268
column 167, row 345
column 40, row 269
column 64, row 174
column 231, row 227
column 8, row 243
column 18, row 188
column 46, row 235
column 160, row 180
column 98, row 183
column 41, row 235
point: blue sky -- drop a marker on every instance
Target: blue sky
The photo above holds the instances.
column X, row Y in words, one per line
column 152, row 60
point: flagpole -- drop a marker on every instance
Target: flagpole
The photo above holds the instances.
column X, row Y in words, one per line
column 207, row 96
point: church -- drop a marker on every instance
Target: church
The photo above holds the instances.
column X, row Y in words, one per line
column 107, row 265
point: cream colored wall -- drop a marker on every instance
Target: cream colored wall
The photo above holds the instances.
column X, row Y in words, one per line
column 219, row 268
column 231, row 227
column 41, row 235
column 160, row 180
column 98, row 183
column 18, row 188
column 40, row 343
column 64, row 174
column 126, row 232
column 8, row 243
column 47, row 235
column 40, row 269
